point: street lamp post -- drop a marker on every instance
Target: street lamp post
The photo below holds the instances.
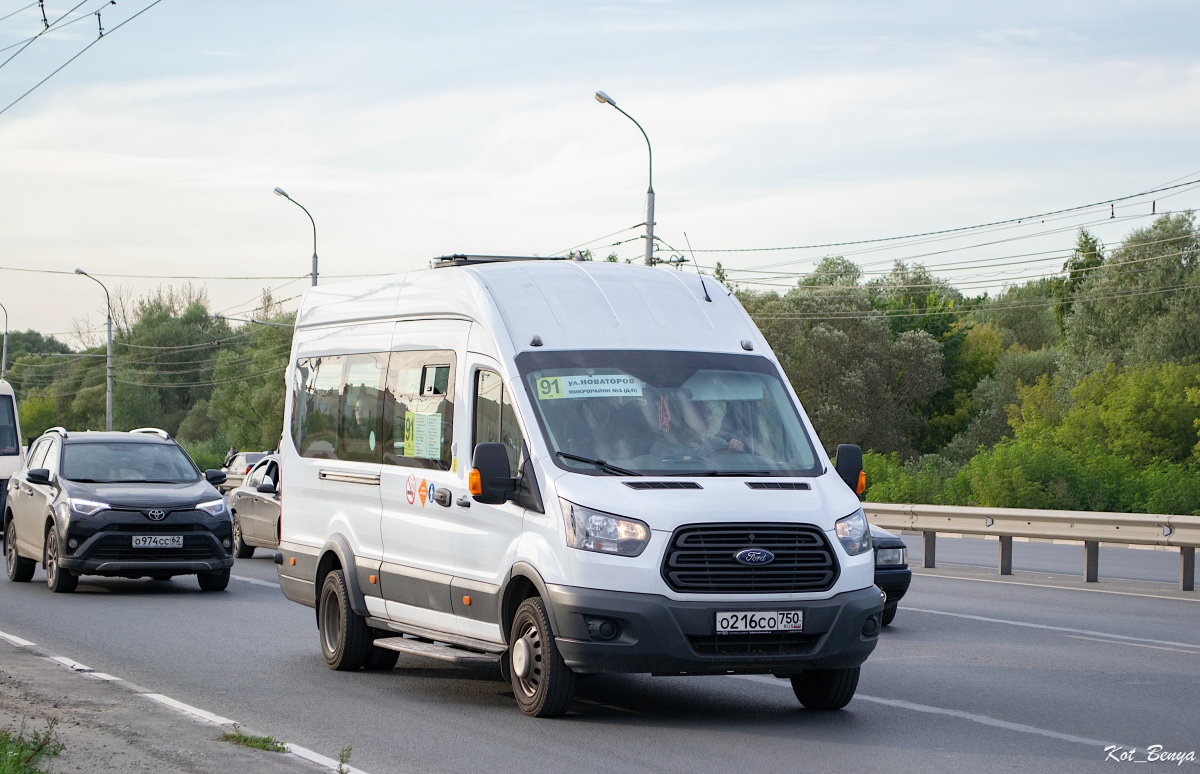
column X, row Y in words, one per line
column 4, row 353
column 108, row 303
column 603, row 98
column 280, row 192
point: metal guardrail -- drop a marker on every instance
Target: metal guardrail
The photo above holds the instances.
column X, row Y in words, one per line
column 1090, row 528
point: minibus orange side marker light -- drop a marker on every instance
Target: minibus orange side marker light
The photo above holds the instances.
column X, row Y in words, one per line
column 374, row 580
column 474, row 482
column 292, row 561
column 467, row 601
column 862, row 482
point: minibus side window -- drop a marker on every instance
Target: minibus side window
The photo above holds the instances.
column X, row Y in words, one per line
column 318, row 385
column 495, row 418
column 10, row 445
column 419, row 409
column 360, row 435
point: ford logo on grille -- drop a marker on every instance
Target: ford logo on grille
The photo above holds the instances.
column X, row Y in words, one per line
column 754, row 556
column 156, row 515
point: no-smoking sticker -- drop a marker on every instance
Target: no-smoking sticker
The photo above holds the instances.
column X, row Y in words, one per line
column 410, row 490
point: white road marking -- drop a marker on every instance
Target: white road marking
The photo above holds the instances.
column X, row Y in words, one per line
column 971, row 716
column 298, row 751
column 71, row 664
column 20, row 643
column 1132, row 644
column 1047, row 627
column 1059, row 588
column 319, row 759
column 189, row 709
column 255, row 581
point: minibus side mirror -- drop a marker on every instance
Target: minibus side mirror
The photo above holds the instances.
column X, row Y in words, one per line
column 215, row 477
column 488, row 480
column 849, row 465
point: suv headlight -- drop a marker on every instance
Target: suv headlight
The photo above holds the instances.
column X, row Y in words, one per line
column 891, row 557
column 86, row 507
column 212, row 507
column 854, row 533
column 591, row 530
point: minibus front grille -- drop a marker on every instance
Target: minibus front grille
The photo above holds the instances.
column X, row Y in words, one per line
column 701, row 558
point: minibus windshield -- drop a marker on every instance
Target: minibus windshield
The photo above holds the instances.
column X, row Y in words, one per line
column 10, row 445
column 667, row 413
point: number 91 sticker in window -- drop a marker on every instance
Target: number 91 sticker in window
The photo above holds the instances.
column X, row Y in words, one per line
column 584, row 386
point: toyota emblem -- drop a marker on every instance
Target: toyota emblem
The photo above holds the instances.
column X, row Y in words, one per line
column 157, row 514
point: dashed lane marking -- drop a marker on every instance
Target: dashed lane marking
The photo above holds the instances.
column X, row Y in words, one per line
column 1057, row 588
column 1132, row 644
column 1048, row 627
column 254, row 581
column 969, row 716
column 196, row 712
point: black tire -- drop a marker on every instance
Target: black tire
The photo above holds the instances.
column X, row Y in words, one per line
column 211, row 582
column 240, row 549
column 889, row 613
column 161, row 577
column 345, row 636
column 380, row 659
column 825, row 689
column 20, row 569
column 542, row 682
column 59, row 580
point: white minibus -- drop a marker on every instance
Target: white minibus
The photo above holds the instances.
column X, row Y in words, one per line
column 11, row 458
column 566, row 468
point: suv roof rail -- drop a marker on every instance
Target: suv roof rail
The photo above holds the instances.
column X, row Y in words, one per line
column 152, row 431
column 59, row 430
column 470, row 260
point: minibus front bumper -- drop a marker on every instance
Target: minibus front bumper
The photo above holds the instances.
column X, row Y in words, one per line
column 654, row 634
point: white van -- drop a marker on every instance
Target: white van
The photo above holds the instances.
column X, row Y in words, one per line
column 11, row 458
column 569, row 468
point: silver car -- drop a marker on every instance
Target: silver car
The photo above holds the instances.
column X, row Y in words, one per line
column 255, row 506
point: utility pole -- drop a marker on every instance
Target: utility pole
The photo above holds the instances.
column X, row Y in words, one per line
column 109, row 361
column 280, row 192
column 603, row 98
column 4, row 354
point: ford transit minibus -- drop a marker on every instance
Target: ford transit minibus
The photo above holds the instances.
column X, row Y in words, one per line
column 566, row 468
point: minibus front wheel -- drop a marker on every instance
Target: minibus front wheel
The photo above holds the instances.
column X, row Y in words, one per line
column 542, row 682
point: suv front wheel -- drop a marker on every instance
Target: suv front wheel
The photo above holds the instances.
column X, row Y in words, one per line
column 59, row 580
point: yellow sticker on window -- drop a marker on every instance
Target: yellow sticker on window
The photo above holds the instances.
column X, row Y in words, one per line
column 549, row 388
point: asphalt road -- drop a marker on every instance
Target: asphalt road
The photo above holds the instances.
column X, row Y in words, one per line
column 972, row 676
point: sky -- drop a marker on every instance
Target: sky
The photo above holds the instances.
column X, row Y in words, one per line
column 412, row 130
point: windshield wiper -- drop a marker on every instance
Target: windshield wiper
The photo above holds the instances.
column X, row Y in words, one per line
column 606, row 467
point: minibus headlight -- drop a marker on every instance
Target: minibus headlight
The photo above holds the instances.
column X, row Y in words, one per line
column 591, row 530
column 86, row 507
column 854, row 533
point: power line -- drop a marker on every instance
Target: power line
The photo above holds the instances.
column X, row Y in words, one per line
column 14, row 13
column 72, row 59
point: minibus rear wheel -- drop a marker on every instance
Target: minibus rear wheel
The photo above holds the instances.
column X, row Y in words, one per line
column 825, row 689
column 345, row 636
column 542, row 682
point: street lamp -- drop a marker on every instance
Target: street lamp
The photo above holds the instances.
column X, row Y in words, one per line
column 280, row 192
column 604, row 99
column 4, row 354
column 108, row 302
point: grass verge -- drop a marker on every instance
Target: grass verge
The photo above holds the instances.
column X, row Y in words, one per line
column 268, row 743
column 22, row 751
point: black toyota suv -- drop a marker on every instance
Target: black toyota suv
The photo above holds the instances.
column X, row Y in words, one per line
column 124, row 505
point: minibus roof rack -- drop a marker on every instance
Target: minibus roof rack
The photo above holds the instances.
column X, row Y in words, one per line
column 443, row 261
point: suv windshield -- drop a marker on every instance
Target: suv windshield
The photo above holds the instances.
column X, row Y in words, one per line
column 127, row 462
column 667, row 413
